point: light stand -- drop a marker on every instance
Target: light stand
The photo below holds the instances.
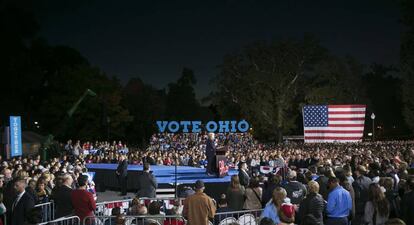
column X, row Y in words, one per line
column 175, row 172
column 373, row 126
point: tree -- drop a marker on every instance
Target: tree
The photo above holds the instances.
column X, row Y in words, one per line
column 17, row 74
column 94, row 116
column 407, row 61
column 147, row 105
column 383, row 88
column 262, row 84
column 333, row 74
column 181, row 99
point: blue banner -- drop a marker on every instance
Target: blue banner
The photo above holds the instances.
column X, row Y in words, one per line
column 15, row 136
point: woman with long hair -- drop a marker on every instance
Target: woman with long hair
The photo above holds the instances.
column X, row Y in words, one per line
column 235, row 194
column 377, row 209
column 272, row 208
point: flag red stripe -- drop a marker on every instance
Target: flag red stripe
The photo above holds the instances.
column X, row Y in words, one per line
column 346, row 125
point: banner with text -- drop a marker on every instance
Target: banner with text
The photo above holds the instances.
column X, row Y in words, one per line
column 15, row 136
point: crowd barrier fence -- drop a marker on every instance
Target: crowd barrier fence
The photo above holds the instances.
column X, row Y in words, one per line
column 48, row 211
column 104, row 211
column 135, row 220
column 71, row 220
column 244, row 217
column 105, row 208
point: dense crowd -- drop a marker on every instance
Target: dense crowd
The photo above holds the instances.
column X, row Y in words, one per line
column 366, row 183
column 190, row 148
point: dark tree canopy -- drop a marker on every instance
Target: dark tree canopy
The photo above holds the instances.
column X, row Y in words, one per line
column 181, row 100
column 266, row 83
column 407, row 61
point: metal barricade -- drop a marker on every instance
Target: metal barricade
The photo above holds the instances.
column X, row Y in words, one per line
column 48, row 211
column 105, row 208
column 70, row 220
column 155, row 219
column 99, row 220
column 244, row 217
column 135, row 220
column 166, row 203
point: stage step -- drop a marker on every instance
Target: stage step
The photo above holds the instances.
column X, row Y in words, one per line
column 165, row 193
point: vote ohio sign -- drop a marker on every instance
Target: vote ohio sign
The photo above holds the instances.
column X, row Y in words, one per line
column 187, row 126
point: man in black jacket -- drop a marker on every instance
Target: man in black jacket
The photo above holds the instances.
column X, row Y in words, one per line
column 322, row 180
column 147, row 183
column 407, row 203
column 122, row 174
column 23, row 204
column 271, row 185
column 361, row 189
column 296, row 191
column 61, row 197
column 211, row 155
column 244, row 177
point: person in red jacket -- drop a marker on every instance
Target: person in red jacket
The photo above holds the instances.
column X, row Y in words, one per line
column 82, row 200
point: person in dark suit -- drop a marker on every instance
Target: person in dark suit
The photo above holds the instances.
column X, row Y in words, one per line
column 243, row 175
column 147, row 183
column 61, row 195
column 407, row 203
column 211, row 154
column 122, row 174
column 23, row 204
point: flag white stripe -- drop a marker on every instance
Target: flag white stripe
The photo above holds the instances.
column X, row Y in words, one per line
column 331, row 141
column 346, row 116
column 347, row 122
column 345, row 109
column 334, row 128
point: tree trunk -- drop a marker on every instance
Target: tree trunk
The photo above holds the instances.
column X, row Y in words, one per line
column 279, row 124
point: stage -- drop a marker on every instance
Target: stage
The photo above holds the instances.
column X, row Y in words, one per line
column 105, row 176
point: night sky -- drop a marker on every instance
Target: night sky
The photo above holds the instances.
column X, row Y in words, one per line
column 155, row 39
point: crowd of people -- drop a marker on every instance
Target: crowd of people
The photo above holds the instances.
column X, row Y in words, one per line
column 28, row 181
column 362, row 183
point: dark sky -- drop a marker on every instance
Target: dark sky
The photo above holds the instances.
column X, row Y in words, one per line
column 155, row 39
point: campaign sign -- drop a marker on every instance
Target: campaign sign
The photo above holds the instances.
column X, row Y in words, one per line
column 15, row 136
column 196, row 126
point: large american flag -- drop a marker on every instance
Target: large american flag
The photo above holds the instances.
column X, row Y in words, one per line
column 333, row 123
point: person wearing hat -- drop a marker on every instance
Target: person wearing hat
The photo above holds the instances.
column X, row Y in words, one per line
column 287, row 213
column 199, row 207
column 361, row 189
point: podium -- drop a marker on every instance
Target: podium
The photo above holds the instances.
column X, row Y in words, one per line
column 221, row 162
